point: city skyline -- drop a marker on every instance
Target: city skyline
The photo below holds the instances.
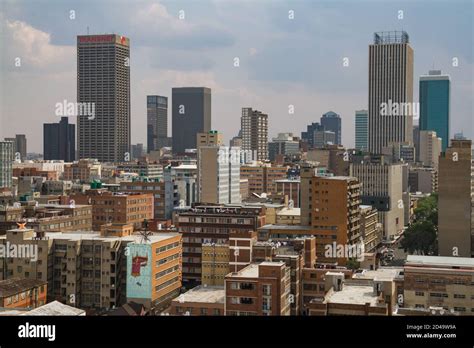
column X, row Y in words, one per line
column 262, row 80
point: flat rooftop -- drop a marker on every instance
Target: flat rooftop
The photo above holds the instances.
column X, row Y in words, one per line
column 379, row 274
column 440, row 261
column 53, row 308
column 286, row 227
column 203, row 294
column 251, row 271
column 354, row 294
column 291, row 212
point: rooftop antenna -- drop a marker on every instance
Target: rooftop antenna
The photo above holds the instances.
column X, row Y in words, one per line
column 87, row 30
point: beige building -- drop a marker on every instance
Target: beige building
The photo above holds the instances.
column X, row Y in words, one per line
column 289, row 216
column 430, row 148
column 370, row 229
column 440, row 282
column 215, row 263
column 456, row 200
column 263, row 178
column 83, row 170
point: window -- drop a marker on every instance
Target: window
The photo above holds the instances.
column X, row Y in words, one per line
column 459, row 296
column 419, row 293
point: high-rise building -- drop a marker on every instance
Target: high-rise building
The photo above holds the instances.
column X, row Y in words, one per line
column 308, row 136
column 103, row 79
column 191, row 107
column 6, row 164
column 382, row 188
column 331, row 208
column 430, row 148
column 362, row 130
column 218, row 174
column 137, row 151
column 59, row 141
column 435, row 104
column 323, row 138
column 254, row 126
column 157, row 122
column 390, row 90
column 456, row 200
column 284, row 144
column 262, row 177
column 332, row 122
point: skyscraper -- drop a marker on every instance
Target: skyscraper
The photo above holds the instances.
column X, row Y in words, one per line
column 19, row 146
column 59, row 141
column 254, row 126
column 157, row 122
column 191, row 107
column 332, row 122
column 455, row 200
column 6, row 164
column 361, row 130
column 390, row 87
column 434, row 104
column 103, row 79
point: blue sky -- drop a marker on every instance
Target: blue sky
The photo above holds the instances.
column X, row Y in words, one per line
column 282, row 61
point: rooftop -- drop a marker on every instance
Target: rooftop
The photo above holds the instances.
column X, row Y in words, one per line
column 447, row 261
column 14, row 286
column 286, row 227
column 290, row 211
column 203, row 294
column 380, row 274
column 354, row 294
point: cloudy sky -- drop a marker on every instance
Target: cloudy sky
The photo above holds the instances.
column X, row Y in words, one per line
column 283, row 61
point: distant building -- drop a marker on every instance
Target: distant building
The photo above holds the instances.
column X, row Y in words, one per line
column 390, row 83
column 284, row 144
column 59, row 141
column 254, row 127
column 435, row 93
column 157, row 122
column 191, row 115
column 423, row 179
column 332, row 122
column 6, row 164
column 308, row 136
column 323, row 138
column 137, row 151
column 430, row 148
column 262, row 177
column 362, row 130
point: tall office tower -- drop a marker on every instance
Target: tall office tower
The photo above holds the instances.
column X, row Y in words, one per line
column 191, row 115
column 157, row 122
column 308, row 136
column 390, row 90
column 382, row 188
column 362, row 130
column 6, row 164
column 456, row 200
column 103, row 81
column 332, row 122
column 435, row 104
column 59, row 141
column 430, row 148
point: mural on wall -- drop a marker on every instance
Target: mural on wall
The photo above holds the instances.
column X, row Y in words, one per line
column 139, row 271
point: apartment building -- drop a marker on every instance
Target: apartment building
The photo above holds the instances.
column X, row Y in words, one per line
column 262, row 177
column 370, row 229
column 211, row 224
column 95, row 270
column 84, row 170
column 215, row 263
column 259, row 289
column 439, row 282
column 142, row 168
column 117, row 207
